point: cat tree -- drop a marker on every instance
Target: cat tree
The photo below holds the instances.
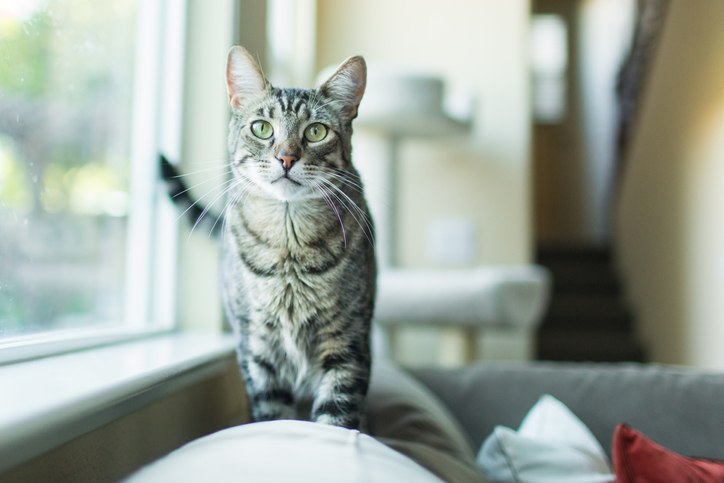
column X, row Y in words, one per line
column 399, row 105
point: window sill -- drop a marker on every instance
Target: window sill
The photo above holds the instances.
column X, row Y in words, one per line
column 48, row 402
column 56, row 342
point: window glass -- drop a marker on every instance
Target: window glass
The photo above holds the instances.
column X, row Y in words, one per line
column 549, row 63
column 66, row 86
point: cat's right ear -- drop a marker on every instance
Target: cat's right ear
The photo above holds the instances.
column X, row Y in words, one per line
column 244, row 79
column 347, row 84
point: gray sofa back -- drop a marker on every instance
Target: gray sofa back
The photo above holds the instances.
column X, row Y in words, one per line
column 680, row 409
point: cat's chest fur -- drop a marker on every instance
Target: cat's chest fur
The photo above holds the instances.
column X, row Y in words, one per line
column 288, row 263
column 290, row 257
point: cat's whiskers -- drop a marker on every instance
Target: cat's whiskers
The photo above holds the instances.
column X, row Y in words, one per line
column 338, row 189
column 368, row 183
column 352, row 208
column 378, row 187
column 248, row 183
column 352, row 184
column 230, row 203
column 331, row 203
column 343, row 176
column 204, row 196
column 210, row 161
column 204, row 170
column 254, row 163
column 234, row 183
column 202, row 182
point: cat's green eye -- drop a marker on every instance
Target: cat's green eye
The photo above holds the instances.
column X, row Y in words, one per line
column 262, row 129
column 315, row 132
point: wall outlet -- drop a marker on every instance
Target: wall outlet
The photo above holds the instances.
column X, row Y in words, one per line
column 452, row 241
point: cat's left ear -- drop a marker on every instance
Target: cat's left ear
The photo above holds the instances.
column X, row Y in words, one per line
column 244, row 79
column 347, row 84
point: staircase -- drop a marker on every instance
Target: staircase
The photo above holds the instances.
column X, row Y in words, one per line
column 588, row 319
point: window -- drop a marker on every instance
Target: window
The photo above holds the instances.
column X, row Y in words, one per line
column 80, row 100
column 549, row 59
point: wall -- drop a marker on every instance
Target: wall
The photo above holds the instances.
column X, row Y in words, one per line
column 670, row 233
column 477, row 45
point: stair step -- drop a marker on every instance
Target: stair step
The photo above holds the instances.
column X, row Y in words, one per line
column 585, row 305
column 573, row 252
column 589, row 323
column 589, row 346
column 587, row 319
column 582, row 277
column 586, row 312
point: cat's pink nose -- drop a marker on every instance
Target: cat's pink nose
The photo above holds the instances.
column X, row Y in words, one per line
column 287, row 160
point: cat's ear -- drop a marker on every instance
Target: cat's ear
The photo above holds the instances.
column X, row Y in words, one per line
column 347, row 84
column 244, row 79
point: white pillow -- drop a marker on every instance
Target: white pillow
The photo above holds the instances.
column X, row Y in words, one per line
column 284, row 451
column 551, row 445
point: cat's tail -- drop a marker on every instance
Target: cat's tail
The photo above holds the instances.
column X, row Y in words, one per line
column 197, row 215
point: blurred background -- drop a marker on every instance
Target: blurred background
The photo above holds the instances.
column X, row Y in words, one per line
column 588, row 137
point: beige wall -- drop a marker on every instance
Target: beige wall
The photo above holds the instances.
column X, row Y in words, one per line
column 477, row 44
column 670, row 230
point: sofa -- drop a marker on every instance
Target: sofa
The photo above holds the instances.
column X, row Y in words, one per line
column 429, row 424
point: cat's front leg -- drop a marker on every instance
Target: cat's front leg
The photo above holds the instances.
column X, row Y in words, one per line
column 339, row 399
column 270, row 396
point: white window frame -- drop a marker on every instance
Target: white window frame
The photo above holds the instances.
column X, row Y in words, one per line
column 151, row 247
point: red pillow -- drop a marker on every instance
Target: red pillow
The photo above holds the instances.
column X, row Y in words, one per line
column 637, row 459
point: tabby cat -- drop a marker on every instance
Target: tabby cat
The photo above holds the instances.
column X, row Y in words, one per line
column 298, row 267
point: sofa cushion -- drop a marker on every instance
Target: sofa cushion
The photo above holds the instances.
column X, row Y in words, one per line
column 637, row 459
column 284, row 451
column 551, row 445
column 677, row 407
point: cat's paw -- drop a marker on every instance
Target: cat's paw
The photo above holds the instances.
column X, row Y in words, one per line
column 272, row 412
column 344, row 421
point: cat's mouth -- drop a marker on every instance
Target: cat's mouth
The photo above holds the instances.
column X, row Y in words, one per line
column 286, row 177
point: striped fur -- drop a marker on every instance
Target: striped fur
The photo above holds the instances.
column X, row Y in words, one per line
column 298, row 266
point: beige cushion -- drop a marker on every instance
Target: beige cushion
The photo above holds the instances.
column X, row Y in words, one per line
column 283, row 452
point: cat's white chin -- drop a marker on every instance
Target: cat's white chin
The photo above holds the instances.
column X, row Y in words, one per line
column 284, row 189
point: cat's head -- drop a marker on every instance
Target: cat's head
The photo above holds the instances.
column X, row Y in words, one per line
column 291, row 143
